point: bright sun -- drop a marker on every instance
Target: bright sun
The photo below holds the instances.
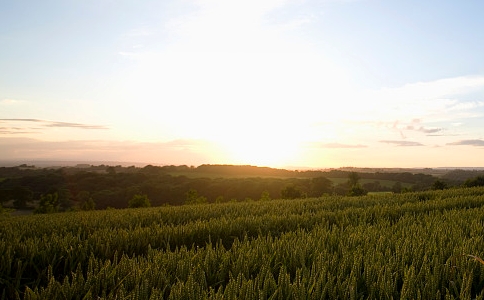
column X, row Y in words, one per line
column 272, row 144
column 261, row 152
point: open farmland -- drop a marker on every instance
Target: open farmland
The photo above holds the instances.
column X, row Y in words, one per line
column 406, row 246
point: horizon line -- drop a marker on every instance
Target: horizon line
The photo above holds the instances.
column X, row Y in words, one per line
column 66, row 163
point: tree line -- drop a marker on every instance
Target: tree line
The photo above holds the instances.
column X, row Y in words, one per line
column 70, row 188
column 101, row 187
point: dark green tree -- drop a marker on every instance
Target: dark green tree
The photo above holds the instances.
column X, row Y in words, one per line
column 111, row 170
column 397, row 187
column 21, row 195
column 192, row 197
column 4, row 195
column 48, row 203
column 476, row 181
column 373, row 186
column 64, row 198
column 320, row 186
column 353, row 179
column 439, row 185
column 291, row 192
column 85, row 200
column 88, row 204
column 355, row 188
column 139, row 201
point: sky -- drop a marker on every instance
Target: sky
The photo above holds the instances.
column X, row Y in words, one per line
column 278, row 83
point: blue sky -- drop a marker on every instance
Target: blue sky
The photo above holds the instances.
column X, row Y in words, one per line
column 276, row 83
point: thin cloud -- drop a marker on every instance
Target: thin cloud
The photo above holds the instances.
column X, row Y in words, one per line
column 15, row 131
column 171, row 152
column 423, row 129
column 184, row 143
column 438, row 89
column 444, row 100
column 415, row 125
column 403, row 143
column 22, row 120
column 476, row 143
column 457, row 106
column 429, row 130
column 443, row 134
column 75, row 125
column 336, row 145
column 57, row 124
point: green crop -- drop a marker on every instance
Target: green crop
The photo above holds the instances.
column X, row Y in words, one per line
column 406, row 246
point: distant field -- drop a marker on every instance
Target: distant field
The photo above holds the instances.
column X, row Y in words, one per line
column 213, row 175
column 384, row 183
column 335, row 180
column 386, row 246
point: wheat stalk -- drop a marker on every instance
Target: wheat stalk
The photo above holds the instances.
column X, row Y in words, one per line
column 476, row 258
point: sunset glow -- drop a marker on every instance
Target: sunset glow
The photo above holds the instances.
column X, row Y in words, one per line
column 275, row 83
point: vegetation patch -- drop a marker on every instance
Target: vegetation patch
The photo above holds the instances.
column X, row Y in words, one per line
column 400, row 246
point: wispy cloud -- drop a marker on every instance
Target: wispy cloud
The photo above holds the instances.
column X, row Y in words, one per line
column 437, row 89
column 406, row 128
column 75, row 125
column 171, row 152
column 15, row 130
column 444, row 100
column 402, row 143
column 415, row 125
column 456, row 106
column 429, row 130
column 476, row 143
column 23, row 127
column 334, row 145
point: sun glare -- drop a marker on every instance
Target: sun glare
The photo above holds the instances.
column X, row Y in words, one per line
column 261, row 151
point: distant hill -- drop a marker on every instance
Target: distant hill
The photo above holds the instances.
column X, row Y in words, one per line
column 254, row 171
column 114, row 186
